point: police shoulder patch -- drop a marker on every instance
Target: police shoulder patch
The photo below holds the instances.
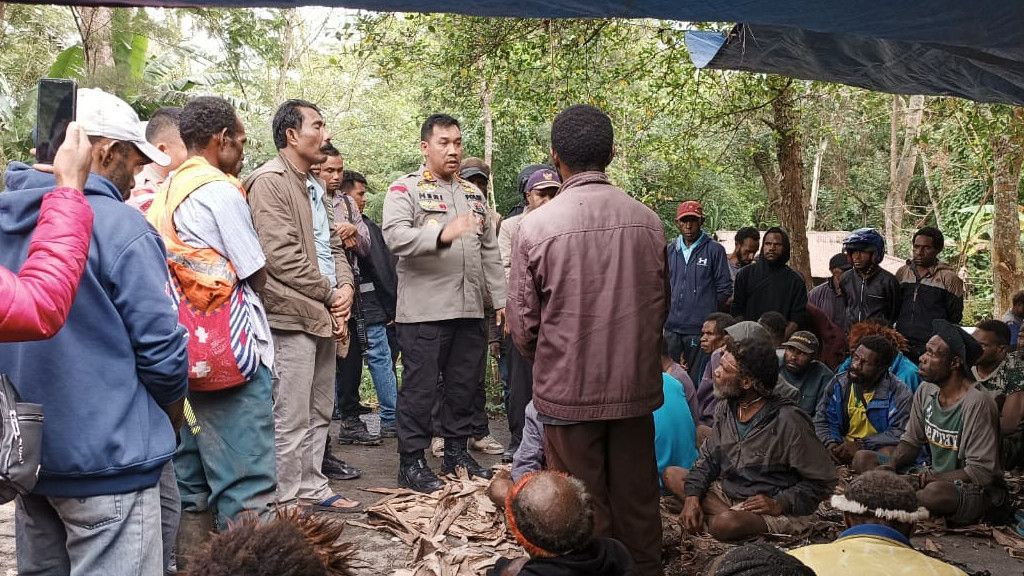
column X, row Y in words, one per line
column 399, row 188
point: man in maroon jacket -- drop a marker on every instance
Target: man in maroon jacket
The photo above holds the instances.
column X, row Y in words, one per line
column 586, row 302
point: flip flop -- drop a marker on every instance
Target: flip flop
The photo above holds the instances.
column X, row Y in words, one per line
column 327, row 505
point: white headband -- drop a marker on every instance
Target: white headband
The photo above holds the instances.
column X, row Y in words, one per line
column 841, row 503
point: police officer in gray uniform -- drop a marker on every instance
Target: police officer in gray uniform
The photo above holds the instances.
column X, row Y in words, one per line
column 439, row 227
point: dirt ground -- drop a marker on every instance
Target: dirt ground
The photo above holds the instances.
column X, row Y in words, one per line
column 382, row 554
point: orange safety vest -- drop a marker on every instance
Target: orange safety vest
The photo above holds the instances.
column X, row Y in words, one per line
column 205, row 276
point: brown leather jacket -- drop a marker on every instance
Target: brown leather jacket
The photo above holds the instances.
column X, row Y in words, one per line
column 296, row 295
column 587, row 299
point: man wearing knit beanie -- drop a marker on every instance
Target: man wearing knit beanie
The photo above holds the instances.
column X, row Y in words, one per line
column 960, row 424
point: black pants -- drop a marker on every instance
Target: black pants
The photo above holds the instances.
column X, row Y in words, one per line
column 348, row 377
column 455, row 348
column 520, row 390
column 481, row 426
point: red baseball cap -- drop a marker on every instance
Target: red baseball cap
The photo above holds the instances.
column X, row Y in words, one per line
column 690, row 208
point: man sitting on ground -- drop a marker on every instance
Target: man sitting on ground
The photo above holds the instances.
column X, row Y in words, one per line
column 866, row 407
column 960, row 424
column 801, row 369
column 551, row 516
column 705, row 392
column 761, row 470
column 901, row 366
column 1002, row 374
column 880, row 510
column 712, row 337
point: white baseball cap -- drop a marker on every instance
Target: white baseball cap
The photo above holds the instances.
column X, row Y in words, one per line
column 103, row 114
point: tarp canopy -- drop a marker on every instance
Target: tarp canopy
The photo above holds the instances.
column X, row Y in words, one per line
column 969, row 49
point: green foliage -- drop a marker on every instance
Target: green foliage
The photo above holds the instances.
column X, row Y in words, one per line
column 69, row 64
column 680, row 133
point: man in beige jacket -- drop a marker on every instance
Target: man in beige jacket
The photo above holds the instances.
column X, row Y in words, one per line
column 307, row 296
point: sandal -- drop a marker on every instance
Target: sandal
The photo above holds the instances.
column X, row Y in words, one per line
column 328, row 505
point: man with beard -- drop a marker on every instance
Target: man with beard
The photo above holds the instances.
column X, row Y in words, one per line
column 928, row 289
column 761, row 470
column 866, row 407
column 744, row 249
column 960, row 424
column 801, row 369
column 438, row 226
column 308, row 298
column 112, row 381
column 769, row 284
column 871, row 291
column 204, row 220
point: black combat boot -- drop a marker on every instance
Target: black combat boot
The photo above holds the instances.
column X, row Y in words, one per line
column 414, row 474
column 456, row 454
column 353, row 431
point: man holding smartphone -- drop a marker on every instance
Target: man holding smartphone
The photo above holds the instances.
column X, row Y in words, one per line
column 112, row 381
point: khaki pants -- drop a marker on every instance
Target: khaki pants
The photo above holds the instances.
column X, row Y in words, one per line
column 304, row 368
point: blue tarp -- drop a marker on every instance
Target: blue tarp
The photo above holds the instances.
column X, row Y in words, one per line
column 972, row 49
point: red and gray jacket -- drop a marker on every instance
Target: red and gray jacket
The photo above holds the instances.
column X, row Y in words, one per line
column 927, row 294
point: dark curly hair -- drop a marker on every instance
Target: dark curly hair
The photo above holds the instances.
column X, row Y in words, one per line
column 583, row 138
column 164, row 119
column 442, row 120
column 289, row 544
column 756, row 359
column 881, row 346
column 938, row 240
column 203, row 117
column 745, row 233
column 758, row 559
column 289, row 115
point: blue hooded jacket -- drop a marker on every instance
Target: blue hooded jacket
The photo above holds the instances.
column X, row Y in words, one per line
column 103, row 378
column 699, row 286
column 888, row 411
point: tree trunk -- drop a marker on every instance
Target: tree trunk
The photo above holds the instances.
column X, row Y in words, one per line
column 792, row 211
column 765, row 165
column 486, row 95
column 812, row 212
column 95, row 28
column 1007, row 156
column 287, row 52
column 933, row 196
column 901, row 168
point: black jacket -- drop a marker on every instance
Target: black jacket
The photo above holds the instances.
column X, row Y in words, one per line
column 602, row 557
column 876, row 296
column 935, row 292
column 764, row 286
column 378, row 280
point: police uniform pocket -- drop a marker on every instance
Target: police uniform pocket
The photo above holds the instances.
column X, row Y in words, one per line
column 92, row 512
column 433, row 212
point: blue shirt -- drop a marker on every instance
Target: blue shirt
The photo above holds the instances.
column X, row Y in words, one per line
column 687, row 250
column 675, row 434
column 321, row 230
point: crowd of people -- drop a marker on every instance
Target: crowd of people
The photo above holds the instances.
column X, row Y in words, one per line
column 191, row 335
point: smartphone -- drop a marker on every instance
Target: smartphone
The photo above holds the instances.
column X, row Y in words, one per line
column 56, row 103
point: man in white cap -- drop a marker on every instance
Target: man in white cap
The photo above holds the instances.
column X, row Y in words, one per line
column 112, row 381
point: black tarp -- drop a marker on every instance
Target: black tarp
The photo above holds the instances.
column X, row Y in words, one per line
column 972, row 49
